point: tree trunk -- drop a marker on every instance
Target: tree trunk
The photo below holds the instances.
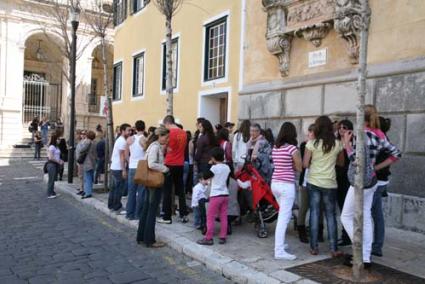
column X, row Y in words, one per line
column 360, row 158
column 169, row 65
column 109, row 118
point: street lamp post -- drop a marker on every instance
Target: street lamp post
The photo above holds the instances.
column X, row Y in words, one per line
column 75, row 20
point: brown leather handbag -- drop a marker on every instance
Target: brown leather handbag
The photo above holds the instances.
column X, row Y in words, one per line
column 148, row 177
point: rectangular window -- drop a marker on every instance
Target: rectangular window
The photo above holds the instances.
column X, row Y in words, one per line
column 120, row 11
column 215, row 50
column 174, row 58
column 138, row 74
column 117, row 89
column 138, row 5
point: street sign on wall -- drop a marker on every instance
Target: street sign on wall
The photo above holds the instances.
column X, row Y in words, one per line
column 317, row 58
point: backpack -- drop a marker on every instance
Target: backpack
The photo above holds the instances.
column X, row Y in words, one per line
column 369, row 176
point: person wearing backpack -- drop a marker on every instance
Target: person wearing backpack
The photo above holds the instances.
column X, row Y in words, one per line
column 375, row 142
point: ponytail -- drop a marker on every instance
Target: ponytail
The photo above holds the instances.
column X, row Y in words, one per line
column 371, row 117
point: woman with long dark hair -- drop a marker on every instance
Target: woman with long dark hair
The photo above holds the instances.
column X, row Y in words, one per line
column 286, row 160
column 342, row 178
column 205, row 143
column 320, row 157
column 53, row 163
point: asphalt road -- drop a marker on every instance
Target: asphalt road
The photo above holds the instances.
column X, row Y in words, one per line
column 59, row 241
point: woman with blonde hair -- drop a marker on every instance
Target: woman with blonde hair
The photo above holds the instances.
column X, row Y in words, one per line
column 375, row 141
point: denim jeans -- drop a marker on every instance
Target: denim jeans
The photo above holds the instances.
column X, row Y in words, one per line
column 196, row 217
column 328, row 195
column 37, row 150
column 146, row 229
column 378, row 220
column 115, row 194
column 88, row 182
column 52, row 170
column 136, row 193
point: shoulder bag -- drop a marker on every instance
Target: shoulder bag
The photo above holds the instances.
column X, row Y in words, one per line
column 148, row 177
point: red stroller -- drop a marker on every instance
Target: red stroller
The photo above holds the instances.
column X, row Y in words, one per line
column 264, row 203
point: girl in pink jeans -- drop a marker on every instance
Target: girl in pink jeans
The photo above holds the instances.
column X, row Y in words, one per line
column 219, row 197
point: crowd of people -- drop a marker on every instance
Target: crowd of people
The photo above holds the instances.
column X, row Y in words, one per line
column 205, row 165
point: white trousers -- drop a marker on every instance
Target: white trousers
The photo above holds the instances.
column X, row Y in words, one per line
column 347, row 218
column 285, row 195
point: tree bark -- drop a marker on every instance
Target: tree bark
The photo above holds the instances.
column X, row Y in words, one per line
column 169, row 64
column 360, row 155
column 109, row 118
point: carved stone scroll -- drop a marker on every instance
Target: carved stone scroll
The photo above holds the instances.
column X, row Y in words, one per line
column 314, row 33
column 347, row 24
column 278, row 43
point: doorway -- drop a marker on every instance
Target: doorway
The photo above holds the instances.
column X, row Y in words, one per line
column 214, row 107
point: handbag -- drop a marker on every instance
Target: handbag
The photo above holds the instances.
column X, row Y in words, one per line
column 369, row 176
column 148, row 177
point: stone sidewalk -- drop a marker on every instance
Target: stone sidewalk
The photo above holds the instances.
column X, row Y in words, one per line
column 247, row 259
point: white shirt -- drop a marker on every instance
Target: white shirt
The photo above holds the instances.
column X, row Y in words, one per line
column 136, row 152
column 119, row 145
column 199, row 192
column 238, row 148
column 219, row 181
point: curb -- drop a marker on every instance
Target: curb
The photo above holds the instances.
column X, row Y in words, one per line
column 224, row 265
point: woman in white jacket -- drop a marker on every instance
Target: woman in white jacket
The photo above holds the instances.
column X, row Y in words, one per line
column 240, row 140
column 155, row 157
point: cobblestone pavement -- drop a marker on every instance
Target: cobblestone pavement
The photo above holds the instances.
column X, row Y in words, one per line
column 59, row 241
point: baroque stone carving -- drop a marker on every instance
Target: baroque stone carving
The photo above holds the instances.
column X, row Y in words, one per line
column 308, row 13
column 278, row 43
column 314, row 33
column 348, row 23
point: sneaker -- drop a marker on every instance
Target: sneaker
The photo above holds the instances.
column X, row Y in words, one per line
column 86, row 196
column 163, row 221
column 222, row 241
column 51, row 196
column 184, row 219
column 123, row 212
column 81, row 193
column 205, row 242
column 285, row 256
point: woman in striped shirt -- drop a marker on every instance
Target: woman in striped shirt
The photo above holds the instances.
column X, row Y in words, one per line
column 286, row 159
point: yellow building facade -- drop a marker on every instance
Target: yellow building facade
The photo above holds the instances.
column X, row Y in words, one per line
column 206, row 55
column 300, row 62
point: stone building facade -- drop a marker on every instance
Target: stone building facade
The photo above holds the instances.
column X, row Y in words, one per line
column 300, row 61
column 34, row 67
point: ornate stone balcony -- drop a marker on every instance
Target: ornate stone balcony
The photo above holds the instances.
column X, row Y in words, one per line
column 311, row 20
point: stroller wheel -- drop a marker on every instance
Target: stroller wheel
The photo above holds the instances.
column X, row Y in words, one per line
column 262, row 233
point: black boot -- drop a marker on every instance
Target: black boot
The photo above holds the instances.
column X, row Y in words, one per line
column 320, row 238
column 302, row 233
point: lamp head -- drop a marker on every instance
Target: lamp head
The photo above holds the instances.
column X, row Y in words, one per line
column 75, row 14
